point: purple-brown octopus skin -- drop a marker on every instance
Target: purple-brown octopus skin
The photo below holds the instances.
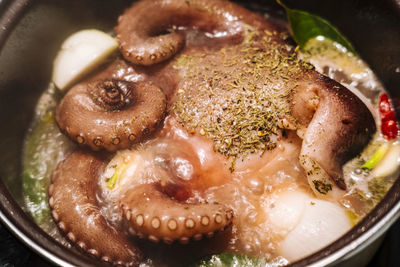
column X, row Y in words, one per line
column 75, row 209
column 337, row 127
column 111, row 114
column 336, row 123
column 149, row 212
column 171, row 220
column 140, row 31
column 340, row 127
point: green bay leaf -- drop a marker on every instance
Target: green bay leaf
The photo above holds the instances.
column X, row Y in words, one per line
column 306, row 26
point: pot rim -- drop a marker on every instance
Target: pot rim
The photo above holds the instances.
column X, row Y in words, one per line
column 16, row 220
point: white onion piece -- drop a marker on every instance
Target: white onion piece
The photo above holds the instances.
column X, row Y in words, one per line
column 79, row 54
column 287, row 210
column 321, row 223
column 131, row 165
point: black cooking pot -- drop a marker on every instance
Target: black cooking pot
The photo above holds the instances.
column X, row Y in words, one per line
column 31, row 33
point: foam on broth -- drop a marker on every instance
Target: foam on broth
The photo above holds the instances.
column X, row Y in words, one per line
column 254, row 190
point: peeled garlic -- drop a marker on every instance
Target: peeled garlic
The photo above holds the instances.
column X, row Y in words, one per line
column 81, row 53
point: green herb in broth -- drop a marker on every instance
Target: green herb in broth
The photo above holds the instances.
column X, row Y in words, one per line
column 113, row 180
column 35, row 175
column 318, row 41
column 377, row 157
column 378, row 188
column 40, row 153
column 306, row 26
column 45, row 146
column 231, row 260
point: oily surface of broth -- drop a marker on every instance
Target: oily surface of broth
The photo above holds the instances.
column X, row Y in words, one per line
column 253, row 188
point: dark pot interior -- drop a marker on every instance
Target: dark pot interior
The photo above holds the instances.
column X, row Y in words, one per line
column 30, row 47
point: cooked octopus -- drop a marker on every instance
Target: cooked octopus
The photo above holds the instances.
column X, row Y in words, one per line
column 225, row 75
column 111, row 114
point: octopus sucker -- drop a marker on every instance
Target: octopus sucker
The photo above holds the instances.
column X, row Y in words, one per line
column 211, row 114
column 76, row 211
column 150, row 213
column 145, row 39
column 111, row 114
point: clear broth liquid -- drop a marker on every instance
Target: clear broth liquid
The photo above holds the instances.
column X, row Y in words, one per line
column 252, row 191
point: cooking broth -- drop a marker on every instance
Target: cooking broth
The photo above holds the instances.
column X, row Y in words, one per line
column 259, row 187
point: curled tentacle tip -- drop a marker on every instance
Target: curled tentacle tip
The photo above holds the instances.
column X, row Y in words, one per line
column 73, row 201
column 160, row 218
column 138, row 34
column 111, row 114
column 147, row 40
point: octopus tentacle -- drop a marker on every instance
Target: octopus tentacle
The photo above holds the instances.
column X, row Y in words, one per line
column 111, row 114
column 152, row 214
column 72, row 198
column 339, row 127
column 142, row 36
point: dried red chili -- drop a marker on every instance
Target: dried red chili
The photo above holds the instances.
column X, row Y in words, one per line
column 389, row 126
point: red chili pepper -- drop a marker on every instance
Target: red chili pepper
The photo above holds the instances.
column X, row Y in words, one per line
column 385, row 108
column 389, row 126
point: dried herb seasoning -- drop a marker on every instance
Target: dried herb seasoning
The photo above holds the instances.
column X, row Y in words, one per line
column 236, row 96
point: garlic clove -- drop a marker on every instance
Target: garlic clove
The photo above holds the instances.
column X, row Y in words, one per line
column 80, row 53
